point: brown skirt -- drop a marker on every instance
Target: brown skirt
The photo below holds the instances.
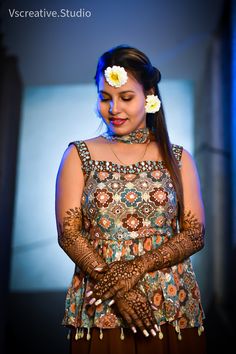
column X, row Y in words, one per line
column 111, row 342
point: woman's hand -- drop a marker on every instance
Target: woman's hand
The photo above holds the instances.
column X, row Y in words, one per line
column 137, row 311
column 118, row 279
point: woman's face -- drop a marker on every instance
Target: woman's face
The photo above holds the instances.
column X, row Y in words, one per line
column 123, row 108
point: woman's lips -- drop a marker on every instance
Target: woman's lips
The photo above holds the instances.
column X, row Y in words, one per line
column 117, row 121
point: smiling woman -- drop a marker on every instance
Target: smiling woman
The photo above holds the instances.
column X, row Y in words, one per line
column 129, row 214
column 122, row 108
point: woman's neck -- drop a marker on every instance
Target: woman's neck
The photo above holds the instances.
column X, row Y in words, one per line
column 138, row 136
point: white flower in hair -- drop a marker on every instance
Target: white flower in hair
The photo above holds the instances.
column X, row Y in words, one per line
column 153, row 104
column 116, row 76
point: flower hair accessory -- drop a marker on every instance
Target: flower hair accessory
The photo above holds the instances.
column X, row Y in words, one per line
column 116, row 76
column 153, row 104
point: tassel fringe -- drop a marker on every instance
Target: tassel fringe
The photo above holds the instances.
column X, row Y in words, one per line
column 122, row 336
column 80, row 332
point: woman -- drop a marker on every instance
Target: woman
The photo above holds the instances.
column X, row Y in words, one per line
column 130, row 214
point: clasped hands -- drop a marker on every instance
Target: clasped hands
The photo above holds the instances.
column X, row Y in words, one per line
column 119, row 283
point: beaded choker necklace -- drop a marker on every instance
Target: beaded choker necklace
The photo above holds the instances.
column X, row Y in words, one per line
column 139, row 136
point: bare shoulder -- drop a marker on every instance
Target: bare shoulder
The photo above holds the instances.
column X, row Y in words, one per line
column 188, row 165
column 97, row 147
column 187, row 157
column 96, row 141
column 70, row 155
column 70, row 162
column 70, row 178
column 191, row 185
column 71, row 152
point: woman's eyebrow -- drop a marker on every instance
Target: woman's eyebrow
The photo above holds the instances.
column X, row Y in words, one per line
column 127, row 91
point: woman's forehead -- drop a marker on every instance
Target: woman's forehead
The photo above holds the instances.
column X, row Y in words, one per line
column 131, row 85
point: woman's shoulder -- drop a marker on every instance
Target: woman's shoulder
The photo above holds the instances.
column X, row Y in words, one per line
column 187, row 156
column 89, row 142
column 188, row 163
column 86, row 147
column 182, row 153
column 80, row 143
column 95, row 141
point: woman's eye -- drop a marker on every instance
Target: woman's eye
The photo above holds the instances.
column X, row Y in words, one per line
column 104, row 99
column 127, row 98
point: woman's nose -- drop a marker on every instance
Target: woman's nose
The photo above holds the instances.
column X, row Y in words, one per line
column 114, row 107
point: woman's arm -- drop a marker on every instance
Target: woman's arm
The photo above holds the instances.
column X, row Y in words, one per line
column 69, row 189
column 191, row 238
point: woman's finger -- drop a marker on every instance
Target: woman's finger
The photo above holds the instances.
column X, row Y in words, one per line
column 128, row 319
column 139, row 323
column 105, row 295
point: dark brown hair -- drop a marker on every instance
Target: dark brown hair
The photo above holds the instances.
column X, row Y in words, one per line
column 140, row 67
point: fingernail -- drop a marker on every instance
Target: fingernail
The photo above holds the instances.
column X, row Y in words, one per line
column 134, row 329
column 153, row 332
column 156, row 327
column 92, row 301
column 145, row 332
column 98, row 269
column 89, row 293
column 98, row 302
column 111, row 302
column 154, row 307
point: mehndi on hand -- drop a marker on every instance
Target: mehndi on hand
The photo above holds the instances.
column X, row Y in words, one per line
column 137, row 311
column 118, row 279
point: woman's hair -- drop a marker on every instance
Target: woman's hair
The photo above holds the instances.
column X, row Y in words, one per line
column 140, row 67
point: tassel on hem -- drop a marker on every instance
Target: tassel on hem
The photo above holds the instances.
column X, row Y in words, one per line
column 77, row 334
column 200, row 330
column 88, row 334
column 177, row 329
column 192, row 323
column 68, row 335
column 80, row 332
column 179, row 336
column 160, row 334
column 122, row 336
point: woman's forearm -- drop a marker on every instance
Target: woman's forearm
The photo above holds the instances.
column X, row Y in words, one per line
column 76, row 246
column 181, row 246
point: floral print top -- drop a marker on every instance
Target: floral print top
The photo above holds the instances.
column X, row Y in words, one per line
column 127, row 211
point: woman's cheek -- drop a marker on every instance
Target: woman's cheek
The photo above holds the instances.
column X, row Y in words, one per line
column 100, row 109
column 103, row 112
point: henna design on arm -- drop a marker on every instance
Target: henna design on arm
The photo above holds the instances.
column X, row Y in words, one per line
column 181, row 246
column 76, row 246
column 123, row 275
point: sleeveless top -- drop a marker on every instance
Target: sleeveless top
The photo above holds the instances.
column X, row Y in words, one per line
column 127, row 211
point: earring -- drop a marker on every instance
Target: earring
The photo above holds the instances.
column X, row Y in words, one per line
column 153, row 104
